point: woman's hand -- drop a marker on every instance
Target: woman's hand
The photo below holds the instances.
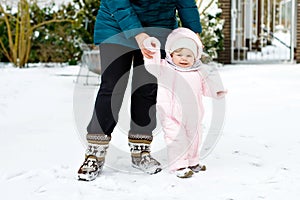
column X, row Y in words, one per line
column 140, row 39
column 198, row 34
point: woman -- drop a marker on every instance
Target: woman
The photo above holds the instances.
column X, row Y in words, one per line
column 120, row 29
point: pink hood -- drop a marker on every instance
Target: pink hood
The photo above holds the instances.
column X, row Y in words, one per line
column 173, row 38
column 180, row 33
column 183, row 33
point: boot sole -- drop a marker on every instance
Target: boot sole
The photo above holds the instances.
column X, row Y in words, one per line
column 203, row 168
column 187, row 175
column 86, row 177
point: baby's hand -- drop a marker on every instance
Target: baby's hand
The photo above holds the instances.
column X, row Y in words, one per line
column 152, row 44
column 221, row 94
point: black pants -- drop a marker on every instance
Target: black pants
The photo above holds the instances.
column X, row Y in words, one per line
column 116, row 62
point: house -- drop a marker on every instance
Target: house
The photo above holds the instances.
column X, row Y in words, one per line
column 260, row 31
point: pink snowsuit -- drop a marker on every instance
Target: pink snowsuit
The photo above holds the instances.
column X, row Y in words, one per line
column 179, row 99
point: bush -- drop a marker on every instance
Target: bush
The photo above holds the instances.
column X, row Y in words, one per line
column 51, row 42
column 61, row 42
column 212, row 36
column 17, row 38
column 55, row 42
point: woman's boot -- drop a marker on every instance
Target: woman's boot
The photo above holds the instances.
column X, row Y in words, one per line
column 94, row 157
column 140, row 154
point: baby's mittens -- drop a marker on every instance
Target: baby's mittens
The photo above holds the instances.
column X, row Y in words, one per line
column 152, row 65
column 152, row 44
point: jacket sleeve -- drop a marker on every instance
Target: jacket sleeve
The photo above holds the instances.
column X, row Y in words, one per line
column 126, row 17
column 211, row 82
column 153, row 65
column 189, row 15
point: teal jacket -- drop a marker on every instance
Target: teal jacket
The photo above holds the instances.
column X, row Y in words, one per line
column 118, row 21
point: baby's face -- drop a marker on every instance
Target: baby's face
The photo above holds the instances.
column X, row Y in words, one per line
column 183, row 58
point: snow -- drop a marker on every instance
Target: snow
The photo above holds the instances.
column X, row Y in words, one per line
column 41, row 146
column 276, row 51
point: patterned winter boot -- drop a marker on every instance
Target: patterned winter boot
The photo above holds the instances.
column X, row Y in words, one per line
column 94, row 157
column 140, row 154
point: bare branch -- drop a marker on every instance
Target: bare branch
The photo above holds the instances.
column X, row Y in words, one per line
column 9, row 31
column 7, row 14
column 5, row 52
column 208, row 5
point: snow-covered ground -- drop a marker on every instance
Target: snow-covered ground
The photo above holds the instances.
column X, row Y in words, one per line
column 256, row 158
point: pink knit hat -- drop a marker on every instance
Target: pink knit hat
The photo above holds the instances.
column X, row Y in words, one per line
column 186, row 43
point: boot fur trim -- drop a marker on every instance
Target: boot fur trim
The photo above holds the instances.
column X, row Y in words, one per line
column 98, row 138
column 140, row 138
